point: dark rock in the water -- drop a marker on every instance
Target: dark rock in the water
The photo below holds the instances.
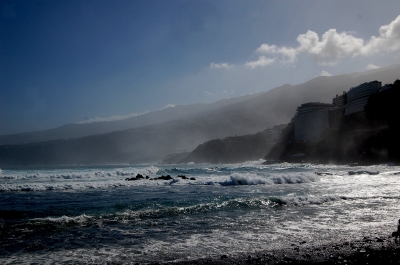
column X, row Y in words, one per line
column 167, row 177
column 192, row 179
column 182, row 177
column 138, row 176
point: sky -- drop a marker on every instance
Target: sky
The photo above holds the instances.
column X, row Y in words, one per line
column 71, row 61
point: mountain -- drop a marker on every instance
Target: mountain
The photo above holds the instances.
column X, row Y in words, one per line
column 152, row 142
column 85, row 129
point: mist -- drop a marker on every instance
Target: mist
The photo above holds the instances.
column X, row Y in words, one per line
column 150, row 137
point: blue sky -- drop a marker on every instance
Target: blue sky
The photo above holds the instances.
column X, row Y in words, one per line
column 67, row 61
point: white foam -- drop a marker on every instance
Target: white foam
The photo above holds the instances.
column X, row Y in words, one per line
column 253, row 179
column 307, row 200
column 64, row 219
column 244, row 179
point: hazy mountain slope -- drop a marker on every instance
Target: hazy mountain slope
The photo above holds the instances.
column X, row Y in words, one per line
column 280, row 103
column 79, row 130
column 155, row 141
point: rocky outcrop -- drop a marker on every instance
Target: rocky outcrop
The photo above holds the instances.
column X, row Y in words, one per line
column 369, row 137
column 174, row 158
column 231, row 149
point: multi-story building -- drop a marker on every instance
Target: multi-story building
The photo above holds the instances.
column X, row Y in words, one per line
column 357, row 97
column 312, row 119
column 340, row 101
column 386, row 87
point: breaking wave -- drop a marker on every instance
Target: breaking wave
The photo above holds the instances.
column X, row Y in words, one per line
column 253, row 179
column 363, row 172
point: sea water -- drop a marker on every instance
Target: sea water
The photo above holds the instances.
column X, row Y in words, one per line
column 90, row 215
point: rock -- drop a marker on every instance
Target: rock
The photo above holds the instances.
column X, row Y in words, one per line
column 192, row 179
column 167, row 177
column 138, row 176
column 182, row 177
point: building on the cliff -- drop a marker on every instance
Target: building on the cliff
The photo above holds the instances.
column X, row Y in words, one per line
column 340, row 101
column 357, row 97
column 386, row 87
column 313, row 118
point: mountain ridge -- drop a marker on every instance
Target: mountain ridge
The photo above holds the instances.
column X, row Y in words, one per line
column 249, row 116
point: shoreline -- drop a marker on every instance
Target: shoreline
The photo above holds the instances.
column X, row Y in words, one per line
column 373, row 249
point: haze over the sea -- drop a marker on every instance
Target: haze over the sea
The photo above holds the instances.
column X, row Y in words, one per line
column 82, row 61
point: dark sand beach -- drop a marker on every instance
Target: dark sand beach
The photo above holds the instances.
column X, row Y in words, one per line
column 366, row 250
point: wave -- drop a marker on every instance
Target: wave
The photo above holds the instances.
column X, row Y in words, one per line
column 131, row 216
column 363, row 172
column 308, row 200
column 83, row 174
column 80, row 219
column 253, row 179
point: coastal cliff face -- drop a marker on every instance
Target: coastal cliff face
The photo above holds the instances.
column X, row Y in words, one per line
column 369, row 137
column 231, row 149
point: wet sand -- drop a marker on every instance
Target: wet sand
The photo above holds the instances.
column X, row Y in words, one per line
column 367, row 250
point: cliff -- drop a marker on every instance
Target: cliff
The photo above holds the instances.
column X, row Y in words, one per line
column 235, row 149
column 369, row 137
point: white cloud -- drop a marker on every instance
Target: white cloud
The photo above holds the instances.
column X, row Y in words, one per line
column 168, row 106
column 221, row 66
column 112, row 118
column 288, row 55
column 372, row 66
column 325, row 73
column 388, row 39
column 229, row 92
column 120, row 117
column 261, row 62
column 207, row 93
column 332, row 46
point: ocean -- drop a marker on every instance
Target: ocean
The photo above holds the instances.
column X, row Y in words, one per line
column 92, row 215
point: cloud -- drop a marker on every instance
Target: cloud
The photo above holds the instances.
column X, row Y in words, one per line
column 120, row 117
column 168, row 106
column 229, row 92
column 207, row 93
column 261, row 62
column 332, row 46
column 372, row 66
column 325, row 73
column 287, row 54
column 221, row 66
column 112, row 118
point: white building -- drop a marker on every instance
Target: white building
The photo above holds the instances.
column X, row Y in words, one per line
column 357, row 97
column 311, row 120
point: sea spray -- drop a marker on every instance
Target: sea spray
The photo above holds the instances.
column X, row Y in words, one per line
column 79, row 214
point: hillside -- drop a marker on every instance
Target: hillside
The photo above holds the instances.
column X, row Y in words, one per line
column 363, row 138
column 77, row 130
column 152, row 142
